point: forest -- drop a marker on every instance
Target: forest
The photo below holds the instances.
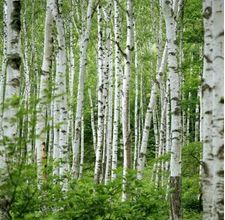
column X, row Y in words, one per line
column 112, row 109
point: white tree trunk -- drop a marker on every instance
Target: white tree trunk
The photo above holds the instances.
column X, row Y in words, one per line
column 42, row 104
column 168, row 124
column 10, row 135
column 110, row 102
column 207, row 85
column 3, row 70
column 2, row 82
column 27, row 91
column 175, row 163
column 82, row 149
column 12, row 85
column 62, row 114
column 188, row 121
column 99, row 146
column 218, row 108
column 125, row 97
column 118, row 72
column 80, row 94
column 92, row 120
column 197, row 121
column 156, row 134
column 136, row 134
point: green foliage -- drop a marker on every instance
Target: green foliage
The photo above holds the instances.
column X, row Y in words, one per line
column 87, row 200
column 83, row 200
column 191, row 189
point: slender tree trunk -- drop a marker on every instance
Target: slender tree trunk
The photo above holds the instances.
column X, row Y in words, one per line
column 188, row 121
column 71, row 80
column 168, row 124
column 100, row 127
column 110, row 101
column 44, row 83
column 82, row 149
column 9, row 118
column 80, row 94
column 218, row 108
column 175, row 163
column 125, row 97
column 3, row 70
column 62, row 114
column 156, row 134
column 118, row 73
column 136, row 134
column 207, row 85
column 197, row 121
column 27, row 94
column 92, row 120
column 148, row 116
column 2, row 81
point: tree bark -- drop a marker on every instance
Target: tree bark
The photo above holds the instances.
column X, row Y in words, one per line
column 175, row 162
column 207, row 86
column 118, row 73
column 218, row 108
column 125, row 97
column 43, row 91
column 10, row 135
column 80, row 94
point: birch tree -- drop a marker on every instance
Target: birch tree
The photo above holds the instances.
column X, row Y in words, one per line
column 100, row 122
column 110, row 97
column 125, row 97
column 207, row 157
column 148, row 117
column 2, row 83
column 169, row 11
column 40, row 145
column 218, row 108
column 9, row 138
column 92, row 120
column 62, row 114
column 80, row 94
column 118, row 71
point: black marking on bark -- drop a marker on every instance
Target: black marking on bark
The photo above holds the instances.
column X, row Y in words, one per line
column 15, row 82
column 205, row 169
column 167, row 2
column 63, row 131
column 14, row 60
column 220, row 173
column 208, row 112
column 208, row 60
column 172, row 53
column 208, row 12
column 15, row 16
column 220, row 153
column 206, row 86
column 177, row 111
column 222, row 99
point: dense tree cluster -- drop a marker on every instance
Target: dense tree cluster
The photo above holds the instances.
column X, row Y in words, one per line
column 111, row 109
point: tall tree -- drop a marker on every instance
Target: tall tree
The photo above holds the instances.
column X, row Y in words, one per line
column 118, row 71
column 207, row 157
column 100, row 122
column 170, row 13
column 218, row 108
column 10, row 136
column 212, row 111
column 125, row 96
column 80, row 94
column 40, row 145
